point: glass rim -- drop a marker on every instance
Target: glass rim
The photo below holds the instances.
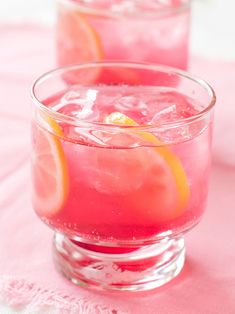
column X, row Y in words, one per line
column 160, row 12
column 144, row 66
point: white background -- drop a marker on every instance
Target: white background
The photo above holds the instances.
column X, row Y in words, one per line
column 213, row 22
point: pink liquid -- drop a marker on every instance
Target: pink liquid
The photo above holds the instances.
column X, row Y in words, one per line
column 142, row 31
column 120, row 187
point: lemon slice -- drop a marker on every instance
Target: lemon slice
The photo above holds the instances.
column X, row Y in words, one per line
column 49, row 169
column 78, row 40
column 170, row 185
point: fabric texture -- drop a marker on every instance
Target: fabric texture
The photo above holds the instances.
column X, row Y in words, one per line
column 28, row 280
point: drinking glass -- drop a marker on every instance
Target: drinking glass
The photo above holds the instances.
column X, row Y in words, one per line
column 133, row 30
column 120, row 169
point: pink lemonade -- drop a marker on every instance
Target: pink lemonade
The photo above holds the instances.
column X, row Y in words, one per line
column 98, row 182
column 120, row 168
column 146, row 31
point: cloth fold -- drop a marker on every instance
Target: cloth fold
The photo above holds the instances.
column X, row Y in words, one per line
column 27, row 296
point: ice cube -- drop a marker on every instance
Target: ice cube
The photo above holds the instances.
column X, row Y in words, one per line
column 133, row 106
column 79, row 104
column 69, row 109
column 70, row 96
column 171, row 106
column 175, row 107
column 130, row 102
column 163, row 114
column 88, row 107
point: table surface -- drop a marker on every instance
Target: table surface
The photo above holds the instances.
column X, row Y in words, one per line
column 207, row 283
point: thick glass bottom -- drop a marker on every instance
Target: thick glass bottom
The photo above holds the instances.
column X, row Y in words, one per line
column 136, row 269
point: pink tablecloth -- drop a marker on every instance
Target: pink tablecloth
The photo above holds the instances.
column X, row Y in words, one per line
column 28, row 279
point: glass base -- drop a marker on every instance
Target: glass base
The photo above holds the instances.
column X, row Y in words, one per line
column 136, row 269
